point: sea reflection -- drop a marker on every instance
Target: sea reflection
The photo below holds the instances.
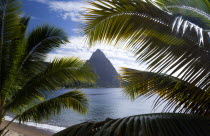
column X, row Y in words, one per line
column 104, row 103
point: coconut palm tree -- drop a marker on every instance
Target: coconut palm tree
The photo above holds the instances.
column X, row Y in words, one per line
column 172, row 38
column 26, row 79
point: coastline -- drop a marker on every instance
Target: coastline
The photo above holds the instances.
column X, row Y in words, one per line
column 25, row 130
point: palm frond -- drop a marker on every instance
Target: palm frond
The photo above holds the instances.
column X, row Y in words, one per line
column 42, row 36
column 111, row 12
column 24, row 21
column 75, row 100
column 146, row 30
column 179, row 95
column 9, row 20
column 39, row 42
column 9, row 33
column 9, row 28
column 29, row 53
column 16, row 54
column 196, row 11
column 57, row 74
column 163, row 124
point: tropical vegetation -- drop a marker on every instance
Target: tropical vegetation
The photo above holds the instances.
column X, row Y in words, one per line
column 26, row 79
column 172, row 38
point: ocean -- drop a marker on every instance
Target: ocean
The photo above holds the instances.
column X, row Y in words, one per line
column 103, row 103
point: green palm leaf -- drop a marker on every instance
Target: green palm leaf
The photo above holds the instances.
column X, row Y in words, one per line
column 27, row 58
column 24, row 21
column 15, row 54
column 9, row 28
column 9, row 32
column 164, row 124
column 197, row 11
column 75, row 100
column 179, row 95
column 40, row 41
column 42, row 36
column 57, row 74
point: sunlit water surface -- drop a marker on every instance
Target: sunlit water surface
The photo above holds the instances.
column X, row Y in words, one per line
column 103, row 103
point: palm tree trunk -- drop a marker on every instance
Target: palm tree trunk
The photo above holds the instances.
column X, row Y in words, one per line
column 1, row 111
column 7, row 125
column 3, row 133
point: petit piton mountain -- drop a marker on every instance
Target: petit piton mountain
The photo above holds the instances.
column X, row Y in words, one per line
column 103, row 68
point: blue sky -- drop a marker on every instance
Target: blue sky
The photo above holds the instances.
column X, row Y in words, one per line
column 61, row 13
column 65, row 14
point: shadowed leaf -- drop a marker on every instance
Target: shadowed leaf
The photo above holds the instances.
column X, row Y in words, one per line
column 164, row 124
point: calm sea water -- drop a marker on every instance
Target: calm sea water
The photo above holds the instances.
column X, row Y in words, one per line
column 103, row 103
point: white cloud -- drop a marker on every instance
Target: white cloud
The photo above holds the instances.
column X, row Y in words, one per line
column 41, row 1
column 78, row 48
column 74, row 16
column 67, row 9
column 67, row 6
column 77, row 30
column 35, row 18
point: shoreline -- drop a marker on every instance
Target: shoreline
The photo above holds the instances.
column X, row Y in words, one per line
column 26, row 130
